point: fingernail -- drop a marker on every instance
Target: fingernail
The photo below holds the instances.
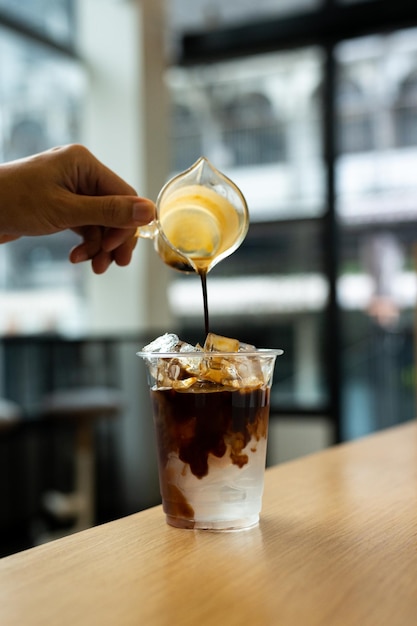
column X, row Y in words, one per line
column 143, row 212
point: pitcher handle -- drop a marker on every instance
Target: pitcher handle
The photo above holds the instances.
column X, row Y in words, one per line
column 149, row 231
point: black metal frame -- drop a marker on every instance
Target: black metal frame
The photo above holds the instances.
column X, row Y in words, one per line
column 330, row 23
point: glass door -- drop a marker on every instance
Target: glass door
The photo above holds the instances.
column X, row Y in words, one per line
column 376, row 190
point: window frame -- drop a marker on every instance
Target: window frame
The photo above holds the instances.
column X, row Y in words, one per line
column 31, row 32
column 324, row 27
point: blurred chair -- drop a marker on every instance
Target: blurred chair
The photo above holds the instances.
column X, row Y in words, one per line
column 81, row 407
column 10, row 414
column 10, row 495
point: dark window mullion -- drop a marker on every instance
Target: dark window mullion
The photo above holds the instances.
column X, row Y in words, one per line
column 20, row 27
column 329, row 23
column 330, row 239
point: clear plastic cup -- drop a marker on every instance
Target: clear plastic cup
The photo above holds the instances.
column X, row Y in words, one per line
column 211, row 414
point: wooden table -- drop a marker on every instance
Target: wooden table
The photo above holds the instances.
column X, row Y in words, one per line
column 337, row 545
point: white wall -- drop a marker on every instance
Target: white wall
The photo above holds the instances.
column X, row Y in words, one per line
column 125, row 125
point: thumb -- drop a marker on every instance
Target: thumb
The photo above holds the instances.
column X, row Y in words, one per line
column 112, row 211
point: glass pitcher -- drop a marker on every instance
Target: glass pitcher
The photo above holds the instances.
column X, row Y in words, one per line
column 201, row 218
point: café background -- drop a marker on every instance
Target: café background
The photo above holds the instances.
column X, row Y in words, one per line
column 315, row 120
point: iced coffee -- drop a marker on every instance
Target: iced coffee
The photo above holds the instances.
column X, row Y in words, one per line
column 211, row 410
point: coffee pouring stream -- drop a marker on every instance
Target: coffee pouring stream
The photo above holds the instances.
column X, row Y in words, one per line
column 201, row 218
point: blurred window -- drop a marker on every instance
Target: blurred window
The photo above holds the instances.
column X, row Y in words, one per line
column 377, row 212
column 41, row 92
column 54, row 18
column 251, row 130
column 318, row 127
column 356, row 118
column 188, row 16
column 257, row 119
column 41, row 95
column 405, row 111
column 380, row 187
column 187, row 140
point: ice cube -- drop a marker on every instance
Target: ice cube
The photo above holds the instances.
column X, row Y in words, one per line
column 158, row 368
column 250, row 371
column 186, row 383
column 171, row 373
column 165, row 343
column 187, row 347
column 237, row 372
column 179, row 373
column 189, row 365
column 234, row 369
column 232, row 494
column 218, row 343
column 246, row 347
column 233, row 372
column 218, row 369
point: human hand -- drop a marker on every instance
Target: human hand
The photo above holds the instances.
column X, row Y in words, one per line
column 68, row 188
